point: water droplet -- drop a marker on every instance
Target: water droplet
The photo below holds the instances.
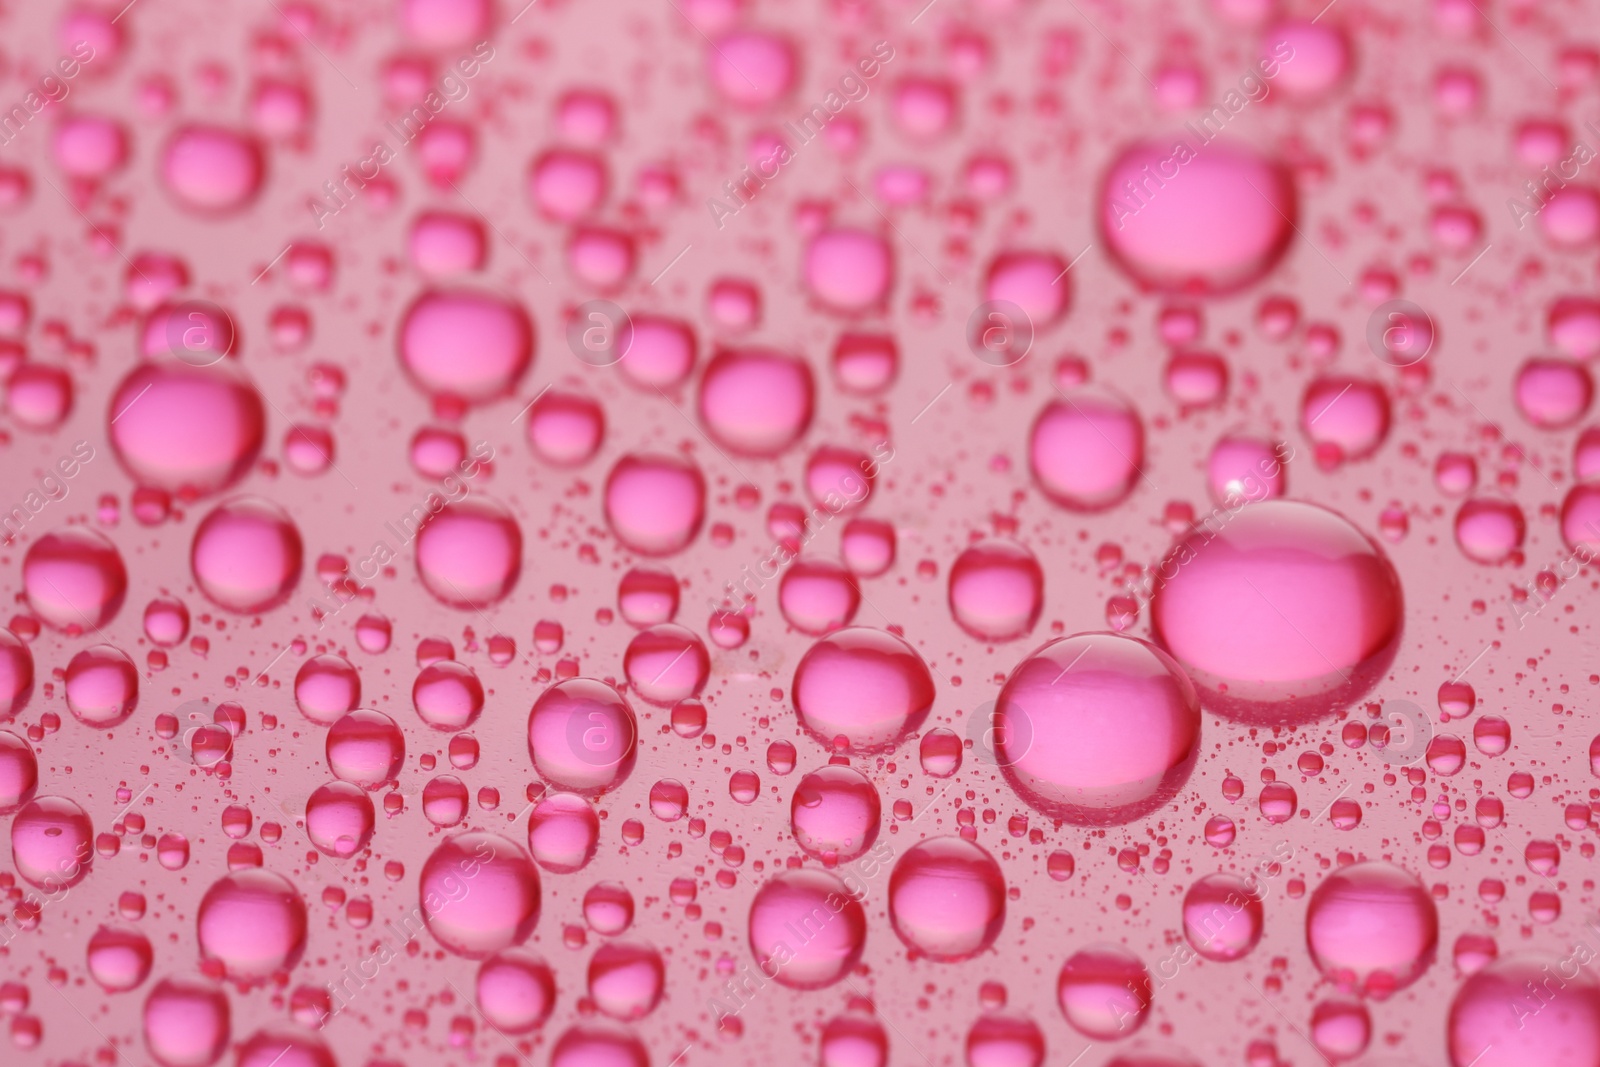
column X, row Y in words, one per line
column 1036, row 282
column 212, row 170
column 1311, row 58
column 1372, row 927
column 326, row 687
column 756, row 402
column 1507, row 1014
column 662, row 353
column 996, row 590
column 186, row 1022
column 74, row 579
column 947, row 898
column 666, row 664
column 1086, row 449
column 1223, row 916
column 365, row 747
column 563, row 832
column 566, row 184
column 1282, row 613
column 852, row 1041
column 835, row 813
column 119, row 958
column 1553, row 393
column 280, row 1045
column 516, row 991
column 19, row 772
column 1207, row 222
column 469, row 553
column 466, row 345
column 448, row 695
column 339, row 819
column 565, row 429
column 752, row 69
column 16, row 673
column 246, row 555
column 1005, row 1041
column 626, row 979
column 51, row 843
column 253, row 922
column 1346, row 417
column 849, row 271
column 647, row 596
column 589, row 1045
column 1245, row 469
column 806, row 930
column 818, row 596
column 1489, row 530
column 39, row 396
column 102, row 686
column 583, row 736
column 655, row 504
column 501, row 883
column 189, row 430
column 866, row 686
column 1104, row 992
column 1097, row 728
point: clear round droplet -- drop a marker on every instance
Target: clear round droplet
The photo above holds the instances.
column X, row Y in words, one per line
column 1282, row 613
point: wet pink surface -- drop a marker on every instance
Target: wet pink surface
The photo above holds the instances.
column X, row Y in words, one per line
column 717, row 532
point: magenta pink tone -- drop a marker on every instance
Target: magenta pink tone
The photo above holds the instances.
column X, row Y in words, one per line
column 879, row 533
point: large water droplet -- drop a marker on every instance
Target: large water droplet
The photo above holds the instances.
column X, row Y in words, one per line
column 479, row 894
column 1097, row 728
column 626, row 979
column 947, row 898
column 591, row 1045
column 996, row 590
column 119, row 958
column 1223, row 916
column 246, row 555
column 189, row 430
column 19, row 772
column 806, row 930
column 469, row 554
column 102, row 686
column 326, row 687
column 563, row 832
column 1086, row 449
column 187, row 1021
column 516, row 990
column 1372, row 927
column 448, row 695
column 835, row 813
column 1283, row 612
column 365, row 747
column 1526, row 1010
column 756, row 402
column 16, row 673
column 866, row 686
column 74, row 579
column 1104, row 992
column 466, row 345
column 849, row 270
column 339, row 819
column 282, row 1045
column 1208, row 221
column 582, row 735
column 752, row 69
column 655, row 504
column 253, row 922
column 211, row 169
column 51, row 843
